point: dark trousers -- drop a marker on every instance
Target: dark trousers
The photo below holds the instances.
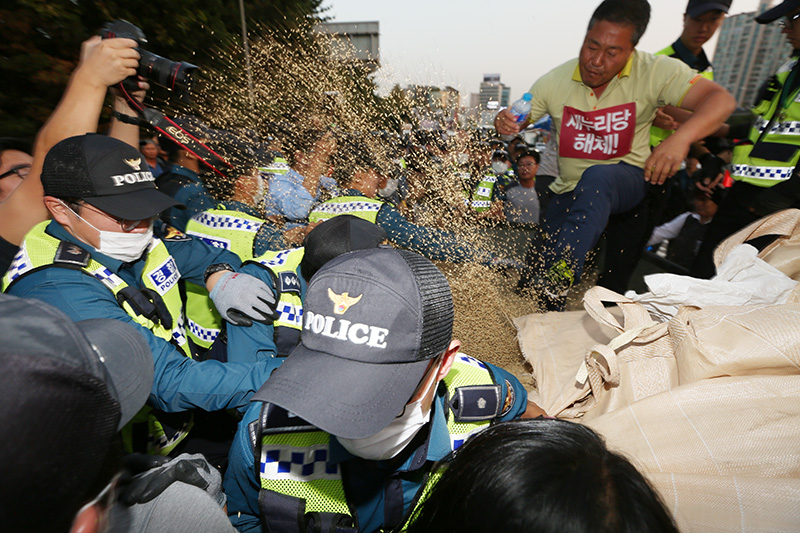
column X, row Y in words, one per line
column 574, row 221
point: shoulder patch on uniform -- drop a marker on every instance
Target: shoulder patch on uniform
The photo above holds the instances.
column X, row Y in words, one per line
column 72, row 255
column 475, row 403
column 289, row 282
column 511, row 396
column 174, row 235
column 275, row 419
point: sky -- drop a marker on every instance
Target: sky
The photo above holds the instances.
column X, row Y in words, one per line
column 456, row 42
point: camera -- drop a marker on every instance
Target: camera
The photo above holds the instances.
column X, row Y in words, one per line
column 174, row 75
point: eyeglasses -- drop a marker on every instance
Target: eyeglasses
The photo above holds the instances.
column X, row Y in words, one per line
column 788, row 21
column 526, row 165
column 20, row 170
column 126, row 225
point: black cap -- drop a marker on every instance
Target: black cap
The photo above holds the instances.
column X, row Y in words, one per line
column 106, row 173
column 335, row 237
column 388, row 312
column 695, row 8
column 784, row 8
column 67, row 389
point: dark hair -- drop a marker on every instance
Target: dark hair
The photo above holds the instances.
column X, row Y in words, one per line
column 12, row 143
column 634, row 13
column 540, row 475
column 530, row 153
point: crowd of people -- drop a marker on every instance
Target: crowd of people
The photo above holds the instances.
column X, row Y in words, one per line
column 254, row 336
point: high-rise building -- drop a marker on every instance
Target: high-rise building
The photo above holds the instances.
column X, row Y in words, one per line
column 492, row 90
column 748, row 53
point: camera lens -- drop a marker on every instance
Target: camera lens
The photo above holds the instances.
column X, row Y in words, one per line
column 173, row 75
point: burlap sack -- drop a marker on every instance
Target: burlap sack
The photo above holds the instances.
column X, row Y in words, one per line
column 783, row 253
column 574, row 384
column 736, row 341
column 723, row 453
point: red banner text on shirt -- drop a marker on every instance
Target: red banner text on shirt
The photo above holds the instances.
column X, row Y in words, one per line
column 602, row 134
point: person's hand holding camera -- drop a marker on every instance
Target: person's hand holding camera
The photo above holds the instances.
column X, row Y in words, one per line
column 106, row 62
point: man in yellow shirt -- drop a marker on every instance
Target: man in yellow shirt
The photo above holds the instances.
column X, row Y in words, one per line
column 602, row 104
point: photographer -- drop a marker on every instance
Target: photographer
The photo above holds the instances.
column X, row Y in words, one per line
column 103, row 63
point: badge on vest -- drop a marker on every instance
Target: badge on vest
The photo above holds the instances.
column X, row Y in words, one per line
column 476, row 403
column 174, row 235
column 72, row 255
column 165, row 276
column 289, row 282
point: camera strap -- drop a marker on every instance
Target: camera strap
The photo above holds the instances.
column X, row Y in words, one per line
column 167, row 127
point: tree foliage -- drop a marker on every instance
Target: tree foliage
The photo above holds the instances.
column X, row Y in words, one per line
column 41, row 39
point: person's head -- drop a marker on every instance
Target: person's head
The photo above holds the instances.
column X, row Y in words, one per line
column 335, row 237
column 103, row 193
column 15, row 164
column 541, row 475
column 788, row 11
column 614, row 31
column 500, row 161
column 701, row 20
column 376, row 339
column 527, row 167
column 68, row 388
column 704, row 205
column 241, row 181
column 149, row 149
column 355, row 167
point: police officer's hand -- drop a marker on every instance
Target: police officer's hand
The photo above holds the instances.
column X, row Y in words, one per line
column 151, row 475
column 242, row 298
column 106, row 62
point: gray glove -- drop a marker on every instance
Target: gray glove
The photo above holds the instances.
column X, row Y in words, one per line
column 242, row 298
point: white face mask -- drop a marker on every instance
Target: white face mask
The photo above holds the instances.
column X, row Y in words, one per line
column 500, row 167
column 125, row 247
column 463, row 159
column 389, row 189
column 392, row 439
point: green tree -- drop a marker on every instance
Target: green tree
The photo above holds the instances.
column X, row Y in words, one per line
column 41, row 41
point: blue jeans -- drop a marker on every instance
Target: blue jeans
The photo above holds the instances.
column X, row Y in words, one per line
column 575, row 220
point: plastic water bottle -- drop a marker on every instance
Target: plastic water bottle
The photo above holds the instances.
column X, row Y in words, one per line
column 521, row 108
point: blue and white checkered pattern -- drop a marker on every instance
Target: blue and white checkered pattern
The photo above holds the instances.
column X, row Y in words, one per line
column 179, row 333
column 779, row 128
column 227, row 222
column 204, row 334
column 764, row 173
column 347, row 207
column 297, row 464
column 20, row 264
column 464, row 358
column 278, row 260
column 290, row 314
column 107, row 278
column 480, row 203
column 490, row 178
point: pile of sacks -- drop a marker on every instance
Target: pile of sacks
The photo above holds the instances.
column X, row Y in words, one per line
column 697, row 381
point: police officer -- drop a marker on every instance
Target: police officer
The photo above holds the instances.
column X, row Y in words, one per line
column 360, row 180
column 377, row 391
column 764, row 169
column 99, row 258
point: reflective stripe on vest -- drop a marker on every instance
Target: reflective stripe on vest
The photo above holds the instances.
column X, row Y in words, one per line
column 284, row 264
column 279, row 165
column 482, row 196
column 785, row 130
column 295, row 462
column 359, row 206
column 160, row 273
column 221, row 228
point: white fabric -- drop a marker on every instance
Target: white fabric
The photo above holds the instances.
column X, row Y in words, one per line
column 743, row 279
